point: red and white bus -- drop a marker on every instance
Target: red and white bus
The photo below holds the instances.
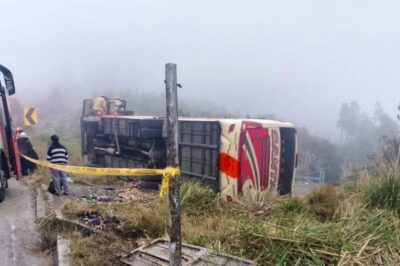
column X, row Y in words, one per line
column 231, row 155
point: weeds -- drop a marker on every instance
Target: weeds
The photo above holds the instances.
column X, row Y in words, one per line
column 329, row 227
column 325, row 201
column 383, row 191
column 151, row 219
column 257, row 204
column 293, row 205
column 196, row 197
column 98, row 249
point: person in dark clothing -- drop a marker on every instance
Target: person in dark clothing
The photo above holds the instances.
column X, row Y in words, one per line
column 25, row 147
column 58, row 154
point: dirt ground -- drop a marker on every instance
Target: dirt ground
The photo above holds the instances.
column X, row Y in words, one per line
column 129, row 191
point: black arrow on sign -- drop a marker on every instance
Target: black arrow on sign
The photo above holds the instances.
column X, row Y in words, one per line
column 28, row 116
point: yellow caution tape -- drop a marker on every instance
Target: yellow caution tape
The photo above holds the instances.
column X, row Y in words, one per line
column 168, row 173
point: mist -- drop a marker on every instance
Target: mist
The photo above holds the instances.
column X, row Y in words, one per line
column 298, row 60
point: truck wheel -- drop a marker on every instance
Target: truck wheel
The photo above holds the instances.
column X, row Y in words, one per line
column 2, row 194
column 3, row 186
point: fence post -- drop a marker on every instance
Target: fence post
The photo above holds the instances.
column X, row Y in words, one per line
column 175, row 244
column 322, row 176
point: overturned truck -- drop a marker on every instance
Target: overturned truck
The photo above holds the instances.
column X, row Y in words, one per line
column 230, row 155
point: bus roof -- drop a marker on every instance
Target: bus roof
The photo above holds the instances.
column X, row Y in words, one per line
column 264, row 122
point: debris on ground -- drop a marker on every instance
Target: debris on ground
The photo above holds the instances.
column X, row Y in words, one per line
column 105, row 199
column 92, row 218
column 95, row 198
column 90, row 198
column 96, row 220
column 130, row 192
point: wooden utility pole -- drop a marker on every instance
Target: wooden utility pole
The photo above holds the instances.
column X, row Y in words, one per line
column 175, row 244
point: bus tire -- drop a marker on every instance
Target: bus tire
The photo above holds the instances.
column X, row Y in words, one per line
column 2, row 194
column 3, row 186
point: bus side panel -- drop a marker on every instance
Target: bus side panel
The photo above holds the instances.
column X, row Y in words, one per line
column 254, row 159
column 229, row 165
column 275, row 161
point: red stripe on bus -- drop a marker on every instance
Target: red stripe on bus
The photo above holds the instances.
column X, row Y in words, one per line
column 229, row 165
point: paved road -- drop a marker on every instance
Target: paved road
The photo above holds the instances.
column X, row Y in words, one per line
column 17, row 233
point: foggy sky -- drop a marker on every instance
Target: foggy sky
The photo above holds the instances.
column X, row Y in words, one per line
column 297, row 59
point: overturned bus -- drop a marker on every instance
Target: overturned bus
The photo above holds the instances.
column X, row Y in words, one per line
column 230, row 155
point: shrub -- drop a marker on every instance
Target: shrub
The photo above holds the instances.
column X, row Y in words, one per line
column 325, row 201
column 152, row 219
column 293, row 205
column 383, row 190
column 256, row 204
column 194, row 196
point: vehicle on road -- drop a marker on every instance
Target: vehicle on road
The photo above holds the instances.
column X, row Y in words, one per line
column 9, row 161
column 230, row 155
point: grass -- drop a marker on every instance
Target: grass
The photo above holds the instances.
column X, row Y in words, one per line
column 353, row 225
column 329, row 227
column 196, row 197
column 384, row 190
column 136, row 227
column 325, row 201
column 294, row 205
column 289, row 237
column 98, row 249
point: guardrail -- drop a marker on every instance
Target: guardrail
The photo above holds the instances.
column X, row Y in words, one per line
column 317, row 177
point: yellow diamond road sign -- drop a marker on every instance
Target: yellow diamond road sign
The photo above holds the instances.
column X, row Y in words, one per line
column 30, row 116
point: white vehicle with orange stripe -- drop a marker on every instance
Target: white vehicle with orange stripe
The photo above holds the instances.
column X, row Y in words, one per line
column 256, row 155
column 231, row 155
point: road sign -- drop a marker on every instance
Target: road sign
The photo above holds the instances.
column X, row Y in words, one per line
column 30, row 116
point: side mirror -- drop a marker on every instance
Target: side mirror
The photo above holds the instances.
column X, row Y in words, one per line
column 9, row 80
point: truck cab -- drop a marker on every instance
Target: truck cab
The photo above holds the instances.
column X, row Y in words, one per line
column 9, row 161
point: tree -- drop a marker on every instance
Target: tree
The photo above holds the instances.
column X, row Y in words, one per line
column 363, row 132
column 349, row 119
column 317, row 153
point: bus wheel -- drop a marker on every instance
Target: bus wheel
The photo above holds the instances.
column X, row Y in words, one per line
column 3, row 185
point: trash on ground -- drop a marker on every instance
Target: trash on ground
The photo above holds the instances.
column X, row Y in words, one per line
column 130, row 192
column 92, row 218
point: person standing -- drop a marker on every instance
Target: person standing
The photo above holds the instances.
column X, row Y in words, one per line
column 25, row 148
column 100, row 105
column 18, row 132
column 58, row 154
column 119, row 106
